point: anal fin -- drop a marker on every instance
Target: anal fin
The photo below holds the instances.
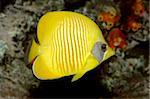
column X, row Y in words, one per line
column 77, row 76
column 90, row 64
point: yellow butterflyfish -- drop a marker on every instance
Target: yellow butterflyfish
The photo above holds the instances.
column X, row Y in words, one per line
column 69, row 44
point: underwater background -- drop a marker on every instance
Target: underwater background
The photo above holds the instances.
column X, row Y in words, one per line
column 125, row 26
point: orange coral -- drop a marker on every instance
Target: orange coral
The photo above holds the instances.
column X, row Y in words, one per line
column 134, row 25
column 117, row 39
column 138, row 8
column 109, row 19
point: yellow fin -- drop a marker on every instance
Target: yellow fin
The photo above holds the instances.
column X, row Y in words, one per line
column 90, row 64
column 42, row 71
column 77, row 76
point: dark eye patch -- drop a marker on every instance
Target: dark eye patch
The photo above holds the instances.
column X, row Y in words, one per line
column 99, row 50
column 103, row 47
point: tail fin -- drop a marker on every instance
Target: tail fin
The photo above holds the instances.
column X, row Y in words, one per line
column 34, row 51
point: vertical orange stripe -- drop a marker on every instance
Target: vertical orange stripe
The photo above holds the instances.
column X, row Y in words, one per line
column 61, row 47
column 52, row 56
column 70, row 31
column 70, row 45
column 81, row 41
column 73, row 45
column 85, row 40
column 87, row 33
column 77, row 42
column 64, row 46
column 57, row 52
column 67, row 46
column 86, row 36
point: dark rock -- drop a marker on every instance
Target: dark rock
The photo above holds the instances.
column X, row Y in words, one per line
column 3, row 3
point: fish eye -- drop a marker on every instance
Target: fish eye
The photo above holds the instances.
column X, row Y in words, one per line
column 103, row 47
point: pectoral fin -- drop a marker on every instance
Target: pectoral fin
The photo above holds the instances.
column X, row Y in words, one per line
column 90, row 64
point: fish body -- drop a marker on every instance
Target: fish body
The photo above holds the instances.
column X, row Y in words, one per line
column 67, row 45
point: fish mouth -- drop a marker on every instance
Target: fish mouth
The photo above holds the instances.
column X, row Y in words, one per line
column 110, row 52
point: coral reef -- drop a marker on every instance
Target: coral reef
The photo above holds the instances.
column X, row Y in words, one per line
column 127, row 77
column 3, row 49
